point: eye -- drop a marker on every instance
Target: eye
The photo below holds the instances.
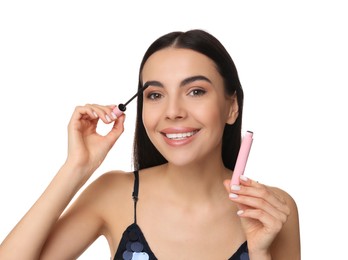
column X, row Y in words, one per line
column 197, row 92
column 153, row 96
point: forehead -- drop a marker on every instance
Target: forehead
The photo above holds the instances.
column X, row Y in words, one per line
column 178, row 62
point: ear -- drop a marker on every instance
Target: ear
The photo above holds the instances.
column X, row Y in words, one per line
column 233, row 109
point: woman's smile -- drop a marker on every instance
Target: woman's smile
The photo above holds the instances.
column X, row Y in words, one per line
column 179, row 136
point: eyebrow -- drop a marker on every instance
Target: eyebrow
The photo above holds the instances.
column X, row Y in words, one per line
column 182, row 83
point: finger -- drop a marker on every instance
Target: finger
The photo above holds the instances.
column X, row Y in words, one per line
column 247, row 181
column 264, row 200
column 80, row 114
column 271, row 223
column 261, row 204
column 253, row 188
column 116, row 130
column 105, row 113
column 227, row 185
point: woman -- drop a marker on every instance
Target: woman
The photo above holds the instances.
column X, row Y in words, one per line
column 175, row 205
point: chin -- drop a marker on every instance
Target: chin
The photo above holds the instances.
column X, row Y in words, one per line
column 184, row 161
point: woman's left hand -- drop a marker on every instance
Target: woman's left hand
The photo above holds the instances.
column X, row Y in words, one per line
column 263, row 213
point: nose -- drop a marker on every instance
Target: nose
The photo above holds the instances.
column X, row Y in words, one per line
column 175, row 109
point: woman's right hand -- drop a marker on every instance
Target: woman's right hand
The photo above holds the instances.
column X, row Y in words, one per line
column 86, row 148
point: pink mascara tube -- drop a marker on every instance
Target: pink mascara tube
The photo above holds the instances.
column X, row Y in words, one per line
column 242, row 157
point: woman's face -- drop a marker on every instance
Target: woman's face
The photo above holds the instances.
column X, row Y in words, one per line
column 185, row 107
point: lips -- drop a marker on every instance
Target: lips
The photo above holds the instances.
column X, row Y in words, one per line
column 179, row 136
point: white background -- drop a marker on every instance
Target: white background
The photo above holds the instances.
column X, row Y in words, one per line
column 291, row 57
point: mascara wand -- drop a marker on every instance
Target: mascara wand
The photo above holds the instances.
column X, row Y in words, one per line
column 118, row 110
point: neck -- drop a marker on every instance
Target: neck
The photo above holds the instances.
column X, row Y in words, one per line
column 198, row 182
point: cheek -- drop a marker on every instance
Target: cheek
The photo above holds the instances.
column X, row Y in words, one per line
column 150, row 117
column 150, row 121
column 147, row 123
column 210, row 114
column 146, row 119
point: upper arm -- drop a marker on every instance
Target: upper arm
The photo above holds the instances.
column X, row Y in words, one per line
column 79, row 226
column 287, row 243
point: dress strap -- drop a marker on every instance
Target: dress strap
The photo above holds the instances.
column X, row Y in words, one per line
column 135, row 194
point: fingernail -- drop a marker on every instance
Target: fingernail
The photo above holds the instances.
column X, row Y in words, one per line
column 235, row 187
column 233, row 195
column 107, row 118
column 240, row 212
column 243, row 178
column 95, row 114
column 113, row 115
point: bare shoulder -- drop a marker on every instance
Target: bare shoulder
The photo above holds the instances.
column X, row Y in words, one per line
column 113, row 184
column 109, row 200
column 288, row 239
column 104, row 207
column 113, row 179
column 285, row 197
column 110, row 190
column 290, row 204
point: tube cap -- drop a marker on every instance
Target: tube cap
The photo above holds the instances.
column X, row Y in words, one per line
column 117, row 111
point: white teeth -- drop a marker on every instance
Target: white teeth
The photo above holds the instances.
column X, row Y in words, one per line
column 179, row 136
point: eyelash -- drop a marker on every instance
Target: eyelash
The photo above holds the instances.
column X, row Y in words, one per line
column 154, row 96
column 197, row 92
column 193, row 93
